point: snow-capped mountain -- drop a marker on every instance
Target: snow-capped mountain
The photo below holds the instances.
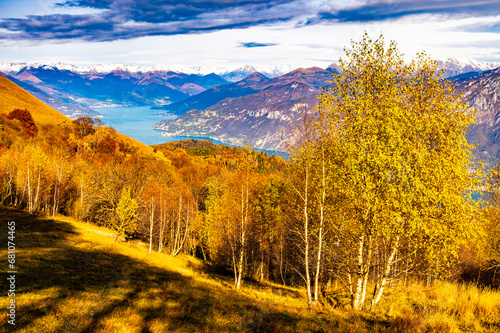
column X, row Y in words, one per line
column 14, row 67
column 454, row 67
column 235, row 74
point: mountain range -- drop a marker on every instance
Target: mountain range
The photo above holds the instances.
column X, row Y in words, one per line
column 79, row 91
column 263, row 115
column 257, row 108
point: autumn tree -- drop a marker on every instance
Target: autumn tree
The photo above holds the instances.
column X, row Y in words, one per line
column 85, row 125
column 60, row 168
column 32, row 179
column 24, row 116
column 270, row 229
column 311, row 184
column 182, row 215
column 126, row 212
column 396, row 138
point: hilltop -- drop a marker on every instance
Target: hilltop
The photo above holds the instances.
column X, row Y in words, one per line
column 14, row 97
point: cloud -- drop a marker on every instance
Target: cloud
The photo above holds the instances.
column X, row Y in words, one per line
column 493, row 28
column 255, row 44
column 126, row 19
column 483, row 44
column 385, row 10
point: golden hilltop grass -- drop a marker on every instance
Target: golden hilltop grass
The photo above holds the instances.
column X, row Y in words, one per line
column 14, row 97
column 73, row 278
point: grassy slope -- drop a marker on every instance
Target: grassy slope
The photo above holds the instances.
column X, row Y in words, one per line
column 74, row 278
column 14, row 97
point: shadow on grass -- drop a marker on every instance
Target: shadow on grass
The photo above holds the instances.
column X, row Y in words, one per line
column 66, row 283
column 77, row 290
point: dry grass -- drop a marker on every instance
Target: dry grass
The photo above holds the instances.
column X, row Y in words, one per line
column 444, row 307
column 73, row 278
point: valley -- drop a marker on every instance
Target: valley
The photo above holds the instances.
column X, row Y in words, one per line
column 121, row 231
column 250, row 166
column 232, row 107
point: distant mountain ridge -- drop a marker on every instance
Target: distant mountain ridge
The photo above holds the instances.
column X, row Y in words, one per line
column 232, row 73
column 77, row 93
column 256, row 109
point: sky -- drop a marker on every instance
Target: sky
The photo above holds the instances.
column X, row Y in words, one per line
column 233, row 33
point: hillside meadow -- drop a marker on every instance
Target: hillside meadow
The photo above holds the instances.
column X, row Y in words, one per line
column 73, row 277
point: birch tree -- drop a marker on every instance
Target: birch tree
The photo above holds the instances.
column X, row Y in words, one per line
column 309, row 179
column 245, row 186
column 404, row 167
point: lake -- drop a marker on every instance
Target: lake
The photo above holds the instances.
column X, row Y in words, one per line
column 137, row 122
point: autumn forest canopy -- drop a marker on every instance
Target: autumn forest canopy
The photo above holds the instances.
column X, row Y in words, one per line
column 377, row 190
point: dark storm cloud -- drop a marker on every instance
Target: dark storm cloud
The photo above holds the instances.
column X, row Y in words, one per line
column 124, row 19
column 58, row 26
column 255, row 44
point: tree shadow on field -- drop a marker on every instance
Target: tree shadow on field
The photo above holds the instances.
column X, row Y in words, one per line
column 61, row 287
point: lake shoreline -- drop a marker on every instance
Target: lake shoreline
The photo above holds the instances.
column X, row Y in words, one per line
column 137, row 122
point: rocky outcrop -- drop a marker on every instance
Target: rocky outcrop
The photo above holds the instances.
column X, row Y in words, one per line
column 482, row 92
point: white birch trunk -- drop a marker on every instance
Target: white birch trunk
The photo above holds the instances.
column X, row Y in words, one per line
column 366, row 271
column 37, row 196
column 30, row 204
column 378, row 293
column 306, row 238
column 81, row 197
column 321, row 225
column 151, row 225
column 162, row 228
column 357, row 297
column 181, row 244
column 244, row 216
